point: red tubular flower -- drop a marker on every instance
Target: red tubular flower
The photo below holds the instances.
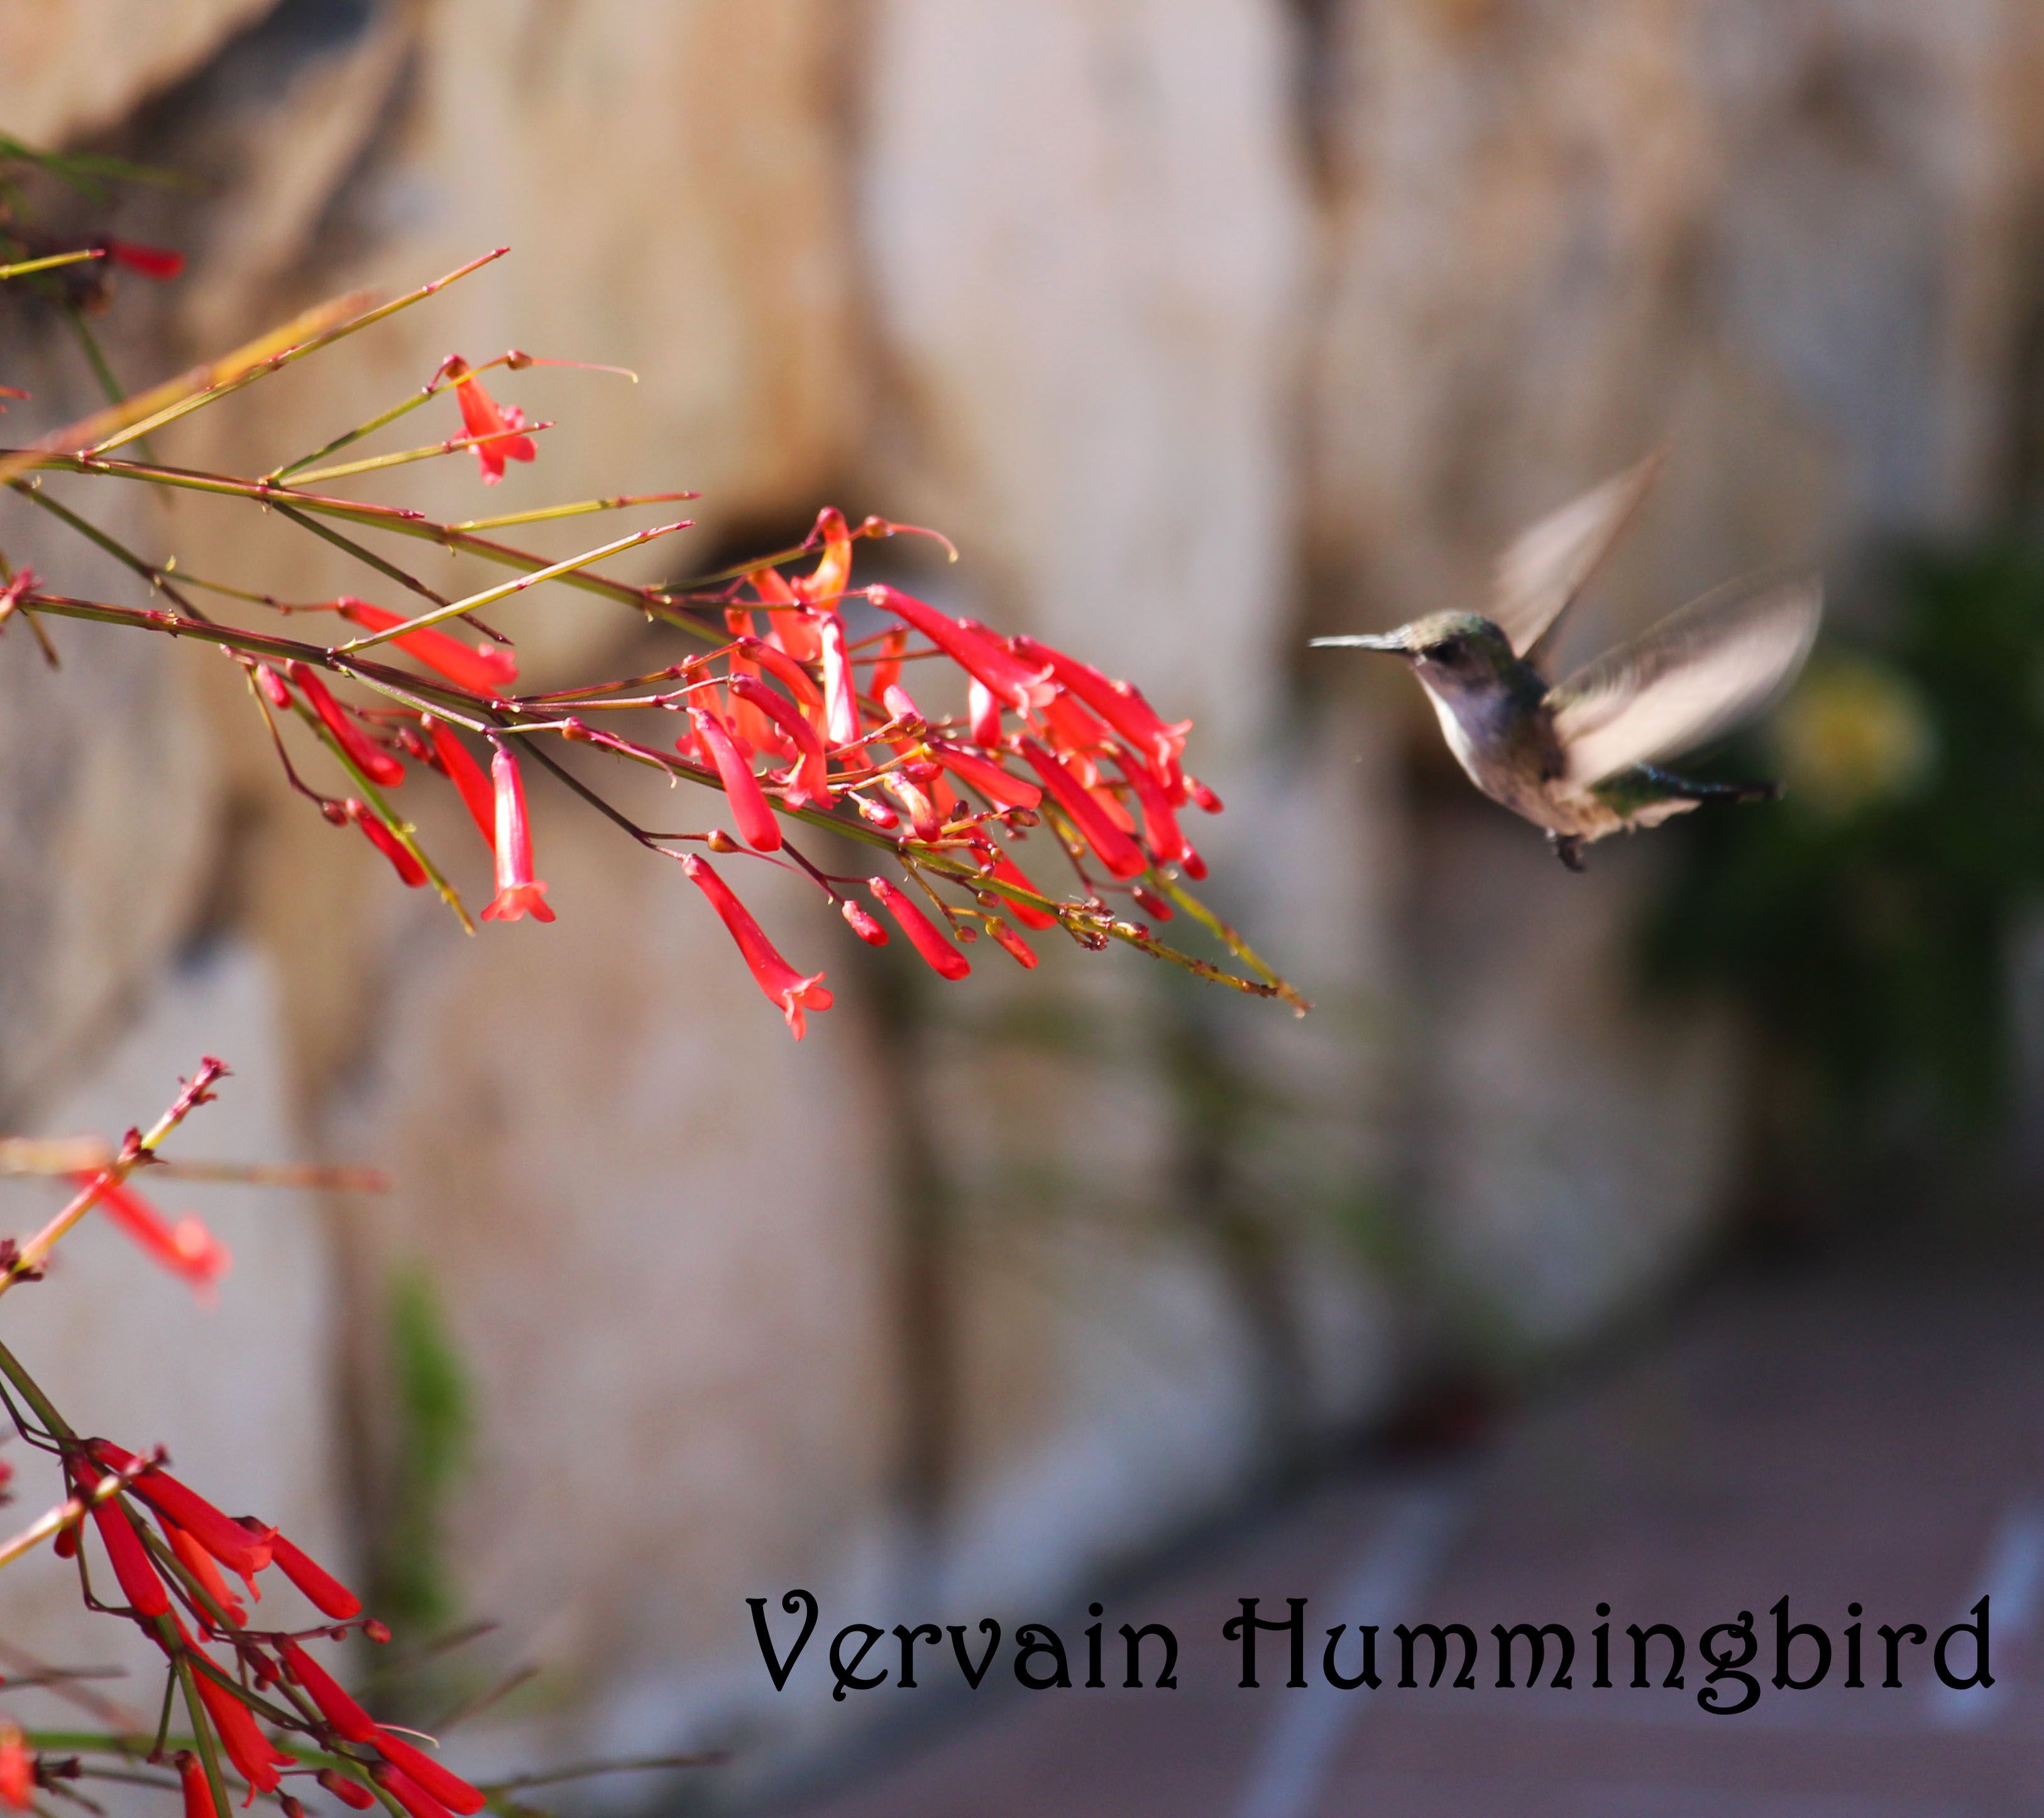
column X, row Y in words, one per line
column 256, row 1759
column 17, row 1771
column 450, row 1789
column 349, row 1793
column 239, row 1548
column 197, row 1561
column 408, row 867
column 485, row 668
column 408, row 1793
column 746, row 720
column 482, row 416
column 923, row 817
column 186, row 1248
column 326, row 1593
column 518, row 892
column 923, row 934
column 158, row 262
column 757, row 824
column 782, row 984
column 1207, row 802
column 840, row 700
column 140, row 1585
column 1152, row 903
column 982, row 713
column 1120, row 854
column 197, row 1788
column 273, row 687
column 370, row 758
column 1008, row 872
column 824, row 585
column 901, row 705
column 338, row 1709
column 887, row 666
column 789, row 674
column 1161, row 830
column 1013, row 943
column 1073, row 732
column 863, row 925
column 1119, row 703
column 809, row 778
column 791, row 630
column 991, row 781
column 1011, row 680
column 466, row 776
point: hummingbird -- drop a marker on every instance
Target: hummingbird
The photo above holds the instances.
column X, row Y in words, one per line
column 1580, row 758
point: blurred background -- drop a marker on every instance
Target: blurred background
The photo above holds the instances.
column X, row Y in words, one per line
column 1661, row 1235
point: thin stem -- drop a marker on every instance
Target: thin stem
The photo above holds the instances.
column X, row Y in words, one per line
column 506, row 590
column 454, row 445
column 21, row 268
column 580, row 508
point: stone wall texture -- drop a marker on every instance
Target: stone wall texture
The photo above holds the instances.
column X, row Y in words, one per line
column 1202, row 325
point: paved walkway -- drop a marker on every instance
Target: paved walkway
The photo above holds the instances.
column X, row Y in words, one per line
column 1879, row 1440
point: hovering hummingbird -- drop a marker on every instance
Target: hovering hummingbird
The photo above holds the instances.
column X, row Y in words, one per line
column 1579, row 757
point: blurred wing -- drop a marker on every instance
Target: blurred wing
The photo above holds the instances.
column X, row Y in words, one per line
column 1694, row 675
column 1549, row 563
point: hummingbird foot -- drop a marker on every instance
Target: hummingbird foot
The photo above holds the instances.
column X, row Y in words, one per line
column 1569, row 848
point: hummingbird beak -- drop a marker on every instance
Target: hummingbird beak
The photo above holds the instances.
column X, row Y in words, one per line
column 1393, row 642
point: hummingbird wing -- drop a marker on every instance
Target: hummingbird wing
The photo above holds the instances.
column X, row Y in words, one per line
column 1695, row 674
column 1549, row 563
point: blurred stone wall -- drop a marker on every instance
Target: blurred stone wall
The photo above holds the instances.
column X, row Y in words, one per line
column 1202, row 325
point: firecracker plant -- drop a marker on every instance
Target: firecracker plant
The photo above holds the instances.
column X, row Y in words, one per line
column 1054, row 806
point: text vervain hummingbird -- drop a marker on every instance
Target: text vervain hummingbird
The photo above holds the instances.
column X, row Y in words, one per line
column 1578, row 757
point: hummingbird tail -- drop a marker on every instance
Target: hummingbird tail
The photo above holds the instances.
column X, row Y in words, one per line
column 1689, row 789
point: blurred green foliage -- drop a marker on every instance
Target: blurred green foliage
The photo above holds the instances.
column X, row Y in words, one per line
column 1866, row 926
column 432, row 1425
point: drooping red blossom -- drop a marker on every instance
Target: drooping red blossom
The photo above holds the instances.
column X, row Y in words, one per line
column 840, row 698
column 863, row 924
column 887, row 666
column 349, row 1793
column 519, row 893
column 1120, row 854
column 157, row 262
column 197, row 1561
column 789, row 630
column 789, row 672
column 185, row 1247
column 138, row 1579
column 1008, row 872
column 824, row 585
column 466, row 776
column 325, row 1593
column 368, row 757
column 482, row 668
column 993, row 783
column 240, row 1550
column 923, row 816
column 254, row 1757
column 1074, row 734
column 481, row 415
column 1161, row 832
column 378, row 831
column 748, row 720
column 924, row 935
column 275, row 690
column 1020, row 685
column 1120, row 703
column 809, row 778
column 1203, row 799
column 339, row 1709
column 1152, row 903
column 757, row 825
column 982, row 713
column 783, row 985
column 198, row 1789
column 1013, row 943
column 450, row 1789
column 407, row 1792
column 17, row 1771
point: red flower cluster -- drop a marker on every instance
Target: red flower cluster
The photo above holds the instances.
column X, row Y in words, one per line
column 165, row 1580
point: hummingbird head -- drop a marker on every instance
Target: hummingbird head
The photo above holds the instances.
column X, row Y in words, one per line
column 1451, row 653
